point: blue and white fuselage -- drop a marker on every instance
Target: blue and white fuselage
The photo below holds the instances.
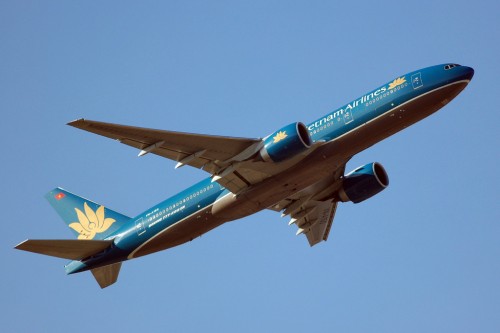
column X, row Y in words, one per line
column 334, row 139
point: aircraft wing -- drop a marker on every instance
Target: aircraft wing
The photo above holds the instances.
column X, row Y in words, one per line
column 227, row 159
column 313, row 209
column 197, row 150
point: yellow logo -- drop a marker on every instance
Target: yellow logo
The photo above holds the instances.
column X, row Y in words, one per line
column 399, row 81
column 91, row 223
column 279, row 136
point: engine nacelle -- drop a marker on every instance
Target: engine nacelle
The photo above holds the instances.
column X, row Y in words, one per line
column 363, row 183
column 286, row 143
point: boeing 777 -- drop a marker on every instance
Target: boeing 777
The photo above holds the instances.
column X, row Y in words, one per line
column 297, row 170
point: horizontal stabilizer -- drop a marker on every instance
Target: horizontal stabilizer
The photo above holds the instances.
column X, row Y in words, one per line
column 74, row 249
column 107, row 275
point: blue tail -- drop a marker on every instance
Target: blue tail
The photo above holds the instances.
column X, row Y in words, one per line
column 87, row 219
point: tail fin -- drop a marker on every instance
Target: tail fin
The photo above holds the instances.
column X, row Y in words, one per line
column 87, row 219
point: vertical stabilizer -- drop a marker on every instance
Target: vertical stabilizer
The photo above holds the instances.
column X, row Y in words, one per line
column 87, row 219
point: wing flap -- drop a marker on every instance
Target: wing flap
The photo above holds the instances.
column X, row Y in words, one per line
column 313, row 209
column 74, row 249
column 321, row 228
column 107, row 275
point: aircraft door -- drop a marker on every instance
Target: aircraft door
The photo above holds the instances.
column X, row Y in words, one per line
column 348, row 116
column 139, row 226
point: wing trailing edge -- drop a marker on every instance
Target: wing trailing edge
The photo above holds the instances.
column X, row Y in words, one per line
column 313, row 209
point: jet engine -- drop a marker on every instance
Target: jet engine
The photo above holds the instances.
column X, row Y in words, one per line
column 286, row 143
column 363, row 183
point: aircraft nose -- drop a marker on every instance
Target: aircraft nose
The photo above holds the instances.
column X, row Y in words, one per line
column 468, row 72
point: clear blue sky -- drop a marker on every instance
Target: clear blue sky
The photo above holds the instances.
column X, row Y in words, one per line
column 423, row 256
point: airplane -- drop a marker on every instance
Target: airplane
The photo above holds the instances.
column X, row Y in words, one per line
column 297, row 170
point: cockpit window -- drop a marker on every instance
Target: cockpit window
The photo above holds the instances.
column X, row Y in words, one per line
column 450, row 66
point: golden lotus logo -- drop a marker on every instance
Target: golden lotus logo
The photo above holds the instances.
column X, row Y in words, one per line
column 399, row 81
column 279, row 136
column 91, row 223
